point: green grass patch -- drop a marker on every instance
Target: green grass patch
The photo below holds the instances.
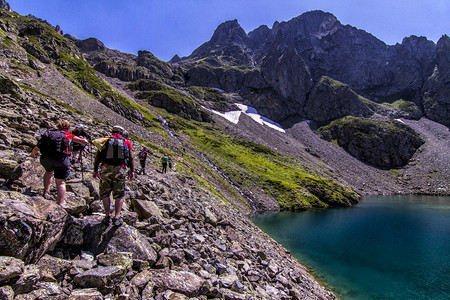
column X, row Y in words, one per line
column 253, row 165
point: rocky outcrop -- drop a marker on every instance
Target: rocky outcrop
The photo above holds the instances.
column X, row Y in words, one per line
column 331, row 100
column 436, row 100
column 286, row 72
column 5, row 5
column 385, row 144
column 229, row 40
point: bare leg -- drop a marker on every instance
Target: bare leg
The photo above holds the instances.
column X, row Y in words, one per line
column 48, row 176
column 118, row 207
column 60, row 190
column 106, row 205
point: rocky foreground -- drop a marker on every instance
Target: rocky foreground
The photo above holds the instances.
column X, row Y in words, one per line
column 178, row 241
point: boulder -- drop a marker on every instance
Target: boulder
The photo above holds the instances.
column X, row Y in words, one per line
column 53, row 265
column 6, row 293
column 183, row 282
column 146, row 209
column 29, row 226
column 10, row 267
column 123, row 259
column 102, row 278
column 128, row 239
column 86, row 294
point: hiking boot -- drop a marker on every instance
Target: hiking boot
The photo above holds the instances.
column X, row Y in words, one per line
column 117, row 221
column 106, row 220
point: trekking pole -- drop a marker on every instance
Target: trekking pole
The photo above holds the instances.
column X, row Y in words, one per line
column 82, row 167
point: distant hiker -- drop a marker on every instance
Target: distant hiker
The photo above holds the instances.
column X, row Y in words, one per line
column 55, row 150
column 170, row 163
column 77, row 149
column 142, row 159
column 114, row 157
column 164, row 160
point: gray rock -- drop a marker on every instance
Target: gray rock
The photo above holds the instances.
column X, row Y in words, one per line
column 102, row 278
column 10, row 267
column 6, row 293
column 146, row 209
column 55, row 266
column 29, row 227
column 128, row 239
column 10, row 169
column 85, row 294
column 183, row 282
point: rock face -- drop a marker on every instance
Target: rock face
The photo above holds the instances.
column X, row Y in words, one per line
column 385, row 144
column 437, row 96
column 331, row 100
column 5, row 5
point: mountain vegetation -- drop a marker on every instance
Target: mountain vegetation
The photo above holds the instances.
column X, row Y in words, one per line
column 358, row 116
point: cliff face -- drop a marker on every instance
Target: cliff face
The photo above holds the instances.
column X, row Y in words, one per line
column 436, row 99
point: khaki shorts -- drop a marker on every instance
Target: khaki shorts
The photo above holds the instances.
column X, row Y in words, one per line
column 112, row 179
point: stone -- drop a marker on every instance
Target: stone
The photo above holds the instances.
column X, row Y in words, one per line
column 146, row 209
column 128, row 239
column 10, row 169
column 183, row 282
column 123, row 259
column 27, row 280
column 86, row 294
column 102, row 278
column 29, row 226
column 6, row 293
column 55, row 266
column 10, row 267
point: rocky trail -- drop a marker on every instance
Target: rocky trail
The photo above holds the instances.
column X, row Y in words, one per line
column 178, row 240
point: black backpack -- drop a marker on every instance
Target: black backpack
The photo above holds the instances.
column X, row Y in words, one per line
column 142, row 155
column 115, row 152
column 53, row 143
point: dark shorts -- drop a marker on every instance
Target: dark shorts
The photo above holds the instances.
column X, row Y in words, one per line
column 112, row 179
column 59, row 166
column 78, row 147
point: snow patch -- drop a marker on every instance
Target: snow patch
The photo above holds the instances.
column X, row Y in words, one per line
column 233, row 116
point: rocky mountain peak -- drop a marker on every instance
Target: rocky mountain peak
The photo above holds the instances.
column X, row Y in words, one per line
column 443, row 56
column 5, row 5
column 230, row 32
column 313, row 23
column 90, row 44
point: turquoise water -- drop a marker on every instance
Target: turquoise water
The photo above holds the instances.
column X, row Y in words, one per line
column 386, row 247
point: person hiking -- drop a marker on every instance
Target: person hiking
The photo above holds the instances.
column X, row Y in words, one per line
column 114, row 158
column 142, row 159
column 77, row 149
column 164, row 160
column 55, row 151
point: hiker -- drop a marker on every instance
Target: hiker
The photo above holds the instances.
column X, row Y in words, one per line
column 77, row 149
column 170, row 163
column 114, row 157
column 55, row 153
column 164, row 160
column 142, row 159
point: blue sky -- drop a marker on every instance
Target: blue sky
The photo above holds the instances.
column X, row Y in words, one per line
column 169, row 27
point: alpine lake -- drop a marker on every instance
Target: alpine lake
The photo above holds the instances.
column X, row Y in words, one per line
column 385, row 247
